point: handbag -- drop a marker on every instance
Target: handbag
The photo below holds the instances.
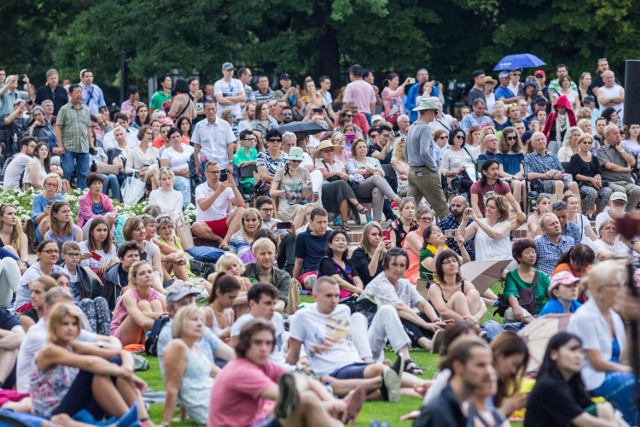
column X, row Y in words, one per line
column 527, row 299
column 183, row 231
column 367, row 308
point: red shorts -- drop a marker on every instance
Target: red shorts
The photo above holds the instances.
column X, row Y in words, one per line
column 219, row 227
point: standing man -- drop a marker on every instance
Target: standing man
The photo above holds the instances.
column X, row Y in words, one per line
column 327, row 99
column 73, row 134
column 469, row 360
column 264, row 92
column 541, row 76
column 361, row 92
column 52, row 91
column 503, row 93
column 477, row 91
column 611, row 94
column 213, row 141
column 92, row 95
column 162, row 95
column 424, row 180
column 245, row 76
column 213, row 200
column 410, row 103
column 229, row 92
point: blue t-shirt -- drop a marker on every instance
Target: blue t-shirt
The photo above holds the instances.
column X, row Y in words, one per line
column 553, row 306
column 510, row 162
column 503, row 92
column 40, row 203
column 311, row 249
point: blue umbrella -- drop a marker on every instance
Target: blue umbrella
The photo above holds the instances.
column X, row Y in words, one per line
column 520, row 60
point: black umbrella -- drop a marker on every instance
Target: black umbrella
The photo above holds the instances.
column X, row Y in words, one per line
column 307, row 128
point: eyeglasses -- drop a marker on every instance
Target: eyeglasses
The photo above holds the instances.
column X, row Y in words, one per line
column 587, row 142
column 167, row 227
column 72, row 254
column 442, row 137
column 512, row 138
column 350, row 116
column 165, row 169
column 275, row 140
column 426, row 219
column 559, row 205
column 51, row 251
column 458, row 137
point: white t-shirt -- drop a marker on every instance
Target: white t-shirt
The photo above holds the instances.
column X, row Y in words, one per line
column 168, row 202
column 613, row 92
column 14, row 171
column 277, row 356
column 618, row 248
column 315, row 329
column 231, row 88
column 214, row 140
column 33, row 342
column 218, row 209
column 178, row 160
column 489, row 248
column 94, row 264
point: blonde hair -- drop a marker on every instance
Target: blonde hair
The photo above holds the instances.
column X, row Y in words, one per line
column 228, row 259
column 248, row 212
column 133, row 272
column 364, row 243
column 398, row 149
column 47, row 282
column 182, row 316
column 56, row 317
column 262, row 243
column 169, row 172
column 53, row 176
column 16, row 235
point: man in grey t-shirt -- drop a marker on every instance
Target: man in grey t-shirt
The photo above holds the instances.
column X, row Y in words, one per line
column 18, row 164
column 424, row 180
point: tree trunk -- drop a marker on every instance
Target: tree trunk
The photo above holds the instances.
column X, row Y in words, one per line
column 328, row 49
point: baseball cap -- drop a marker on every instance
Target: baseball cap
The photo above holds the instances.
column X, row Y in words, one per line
column 562, row 278
column 227, row 66
column 179, row 292
column 376, row 118
column 589, row 99
column 285, row 76
column 476, row 73
column 539, row 73
column 17, row 101
column 618, row 195
column 503, row 74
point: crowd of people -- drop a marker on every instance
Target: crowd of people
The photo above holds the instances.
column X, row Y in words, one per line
column 531, row 174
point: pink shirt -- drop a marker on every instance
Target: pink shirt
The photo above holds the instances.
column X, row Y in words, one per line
column 362, row 93
column 120, row 311
column 235, row 398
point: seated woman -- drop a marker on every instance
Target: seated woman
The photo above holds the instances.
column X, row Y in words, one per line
column 559, row 397
column 94, row 204
column 543, row 205
column 134, row 230
column 67, row 373
column 176, row 157
column 401, row 166
column 240, row 242
column 291, row 187
column 573, row 214
column 218, row 313
column 406, row 223
column 525, row 277
column 38, row 288
column 491, row 233
column 38, row 168
column 144, row 158
column 169, row 201
column 414, row 242
column 47, row 254
column 510, row 359
column 577, row 261
column 109, row 172
column 40, row 207
column 173, row 256
column 99, row 251
column 511, row 160
column 609, row 245
column 61, row 226
column 433, row 243
column 188, row 373
column 585, row 169
column 457, row 162
column 336, row 265
column 452, row 297
column 12, row 238
column 337, row 194
column 232, row 265
column 563, row 294
column 138, row 307
column 368, row 172
column 366, row 259
column 603, row 335
column 269, row 161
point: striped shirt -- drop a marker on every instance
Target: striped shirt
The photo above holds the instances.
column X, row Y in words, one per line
column 74, row 126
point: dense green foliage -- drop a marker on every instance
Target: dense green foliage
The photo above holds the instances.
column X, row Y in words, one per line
column 309, row 37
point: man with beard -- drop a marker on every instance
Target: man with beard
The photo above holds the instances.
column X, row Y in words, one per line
column 452, row 222
column 248, row 117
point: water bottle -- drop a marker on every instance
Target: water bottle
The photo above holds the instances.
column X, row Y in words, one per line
column 328, row 387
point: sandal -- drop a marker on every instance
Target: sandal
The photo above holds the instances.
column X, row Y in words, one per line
column 345, row 227
column 362, row 210
column 224, row 247
column 410, row 367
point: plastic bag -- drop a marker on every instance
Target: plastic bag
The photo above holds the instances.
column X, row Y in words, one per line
column 132, row 190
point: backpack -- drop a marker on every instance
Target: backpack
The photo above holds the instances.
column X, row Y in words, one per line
column 151, row 344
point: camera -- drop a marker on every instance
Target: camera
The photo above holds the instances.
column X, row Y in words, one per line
column 21, row 81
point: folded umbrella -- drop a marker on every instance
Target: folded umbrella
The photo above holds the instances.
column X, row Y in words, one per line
column 538, row 333
column 485, row 273
column 308, row 128
column 519, row 60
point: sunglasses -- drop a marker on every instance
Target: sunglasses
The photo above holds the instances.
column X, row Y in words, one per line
column 275, row 140
column 559, row 205
column 294, row 161
column 511, row 138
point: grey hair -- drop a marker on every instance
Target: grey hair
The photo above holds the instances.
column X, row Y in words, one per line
column 289, row 135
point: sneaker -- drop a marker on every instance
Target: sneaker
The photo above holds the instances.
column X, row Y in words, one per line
column 436, row 341
column 390, row 387
column 288, row 399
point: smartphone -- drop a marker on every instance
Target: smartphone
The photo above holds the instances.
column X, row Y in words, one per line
column 386, row 234
column 349, row 136
column 96, row 255
column 450, row 233
column 284, row 225
column 412, row 80
column 317, row 110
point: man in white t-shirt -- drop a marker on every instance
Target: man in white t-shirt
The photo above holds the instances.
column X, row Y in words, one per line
column 213, row 140
column 325, row 331
column 229, row 92
column 213, row 200
column 36, row 338
column 19, row 163
column 611, row 94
